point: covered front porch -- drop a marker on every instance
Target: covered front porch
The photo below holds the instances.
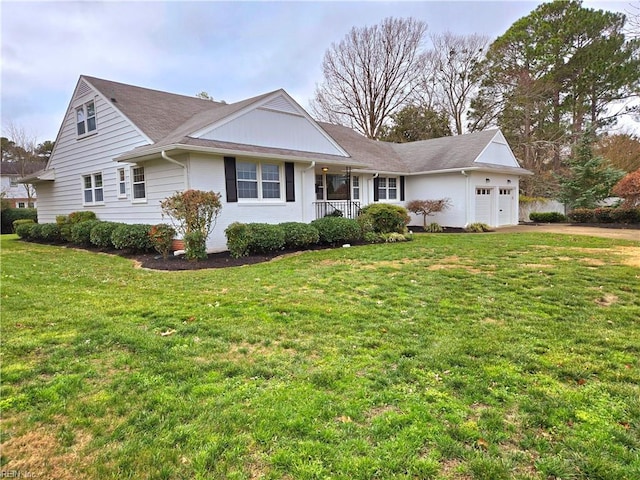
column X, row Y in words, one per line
column 338, row 193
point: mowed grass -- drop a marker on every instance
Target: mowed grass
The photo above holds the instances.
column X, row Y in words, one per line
column 495, row 356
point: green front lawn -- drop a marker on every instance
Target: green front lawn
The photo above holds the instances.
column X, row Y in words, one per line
column 495, row 356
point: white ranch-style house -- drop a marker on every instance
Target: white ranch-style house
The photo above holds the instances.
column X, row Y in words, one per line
column 123, row 149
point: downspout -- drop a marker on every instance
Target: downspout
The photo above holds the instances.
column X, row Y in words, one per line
column 173, row 160
column 302, row 190
column 466, row 198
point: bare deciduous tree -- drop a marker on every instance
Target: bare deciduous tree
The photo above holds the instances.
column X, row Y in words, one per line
column 21, row 150
column 449, row 73
column 370, row 74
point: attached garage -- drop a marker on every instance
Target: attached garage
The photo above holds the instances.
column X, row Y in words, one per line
column 484, row 205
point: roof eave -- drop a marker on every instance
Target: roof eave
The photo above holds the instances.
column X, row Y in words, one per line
column 178, row 148
column 38, row 177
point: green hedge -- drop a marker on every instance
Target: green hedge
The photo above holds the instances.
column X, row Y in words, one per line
column 605, row 215
column 384, row 218
column 299, row 235
column 336, row 230
column 10, row 215
column 134, row 237
column 547, row 217
column 100, row 235
column 81, row 232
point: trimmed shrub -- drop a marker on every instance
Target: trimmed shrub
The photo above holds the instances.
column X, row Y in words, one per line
column 195, row 245
column 81, row 232
column 10, row 215
column 603, row 215
column 35, row 232
column 385, row 218
column 477, row 227
column 264, row 237
column 433, row 228
column 299, row 235
column 581, row 215
column 66, row 222
column 547, row 217
column 237, row 239
column 162, row 238
column 626, row 215
column 133, row 237
column 50, row 232
column 24, row 230
column 101, row 234
column 22, row 221
column 372, row 237
column 335, row 230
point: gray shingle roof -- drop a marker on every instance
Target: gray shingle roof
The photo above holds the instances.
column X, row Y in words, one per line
column 444, row 153
column 168, row 119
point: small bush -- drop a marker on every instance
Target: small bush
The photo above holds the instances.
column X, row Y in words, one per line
column 24, row 230
column 35, row 232
column 81, row 232
column 22, row 221
column 237, row 239
column 394, row 237
column 133, row 237
column 264, row 237
column 626, row 215
column 477, row 227
column 547, row 217
column 385, row 218
column 10, row 215
column 581, row 215
column 195, row 245
column 603, row 215
column 335, row 230
column 162, row 238
column 101, row 234
column 50, row 232
column 66, row 222
column 372, row 237
column 299, row 235
column 433, row 228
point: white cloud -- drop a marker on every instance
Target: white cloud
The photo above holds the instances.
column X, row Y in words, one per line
column 232, row 50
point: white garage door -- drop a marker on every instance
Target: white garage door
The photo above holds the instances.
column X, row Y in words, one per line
column 506, row 200
column 484, row 205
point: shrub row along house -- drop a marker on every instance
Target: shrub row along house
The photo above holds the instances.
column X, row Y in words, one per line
column 122, row 149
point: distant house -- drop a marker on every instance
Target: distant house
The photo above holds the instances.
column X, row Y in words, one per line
column 122, row 149
column 18, row 193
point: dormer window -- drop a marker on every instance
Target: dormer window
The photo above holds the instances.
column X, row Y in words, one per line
column 86, row 118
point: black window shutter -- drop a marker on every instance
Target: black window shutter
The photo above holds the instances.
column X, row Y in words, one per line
column 289, row 182
column 376, row 186
column 230, row 179
column 402, row 188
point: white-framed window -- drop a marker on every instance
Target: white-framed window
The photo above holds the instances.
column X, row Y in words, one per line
column 86, row 119
column 259, row 181
column 483, row 191
column 13, row 181
column 506, row 191
column 93, row 191
column 122, row 184
column 21, row 205
column 138, row 183
column 355, row 188
column 388, row 188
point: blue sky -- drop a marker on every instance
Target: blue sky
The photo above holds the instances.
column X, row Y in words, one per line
column 232, row 50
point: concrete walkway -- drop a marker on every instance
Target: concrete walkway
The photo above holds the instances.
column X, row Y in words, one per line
column 617, row 233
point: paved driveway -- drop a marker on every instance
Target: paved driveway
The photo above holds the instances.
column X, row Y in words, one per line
column 618, row 233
